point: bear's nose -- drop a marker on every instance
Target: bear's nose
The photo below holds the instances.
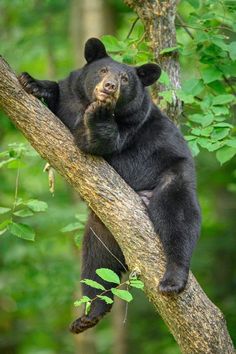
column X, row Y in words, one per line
column 110, row 86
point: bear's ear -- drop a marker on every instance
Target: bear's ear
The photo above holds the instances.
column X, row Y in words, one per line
column 148, row 73
column 94, row 50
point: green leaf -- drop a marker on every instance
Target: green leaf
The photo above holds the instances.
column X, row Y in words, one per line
column 16, row 164
column 3, row 231
column 193, row 86
column 19, row 201
column 204, row 142
column 232, row 50
column 218, row 87
column 231, row 142
column 184, row 97
column 210, row 73
column 78, row 239
column 37, row 205
column 4, row 226
column 82, row 217
column 190, row 137
column 23, row 213
column 4, row 210
column 194, row 3
column 87, row 307
column 107, row 299
column 215, row 146
column 196, row 131
column 167, row 95
column 72, row 227
column 194, row 147
column 225, row 154
column 223, row 125
column 220, row 110
column 108, row 275
column 204, row 120
column 164, row 78
column 4, row 154
column 112, row 44
column 83, row 300
column 222, row 99
column 207, row 119
column 220, row 133
column 136, row 283
column 206, row 102
column 168, row 50
column 93, row 284
column 129, row 59
column 206, row 131
column 219, row 41
column 5, row 223
column 122, row 294
column 6, row 162
column 22, row 231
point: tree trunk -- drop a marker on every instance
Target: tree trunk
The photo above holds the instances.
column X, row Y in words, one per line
column 197, row 324
column 158, row 17
column 82, row 15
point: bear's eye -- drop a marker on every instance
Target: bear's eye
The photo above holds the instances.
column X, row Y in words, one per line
column 124, row 79
column 103, row 71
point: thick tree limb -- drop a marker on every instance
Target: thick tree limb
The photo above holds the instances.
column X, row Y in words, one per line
column 197, row 325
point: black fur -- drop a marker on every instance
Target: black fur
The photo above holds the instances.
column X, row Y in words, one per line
column 110, row 113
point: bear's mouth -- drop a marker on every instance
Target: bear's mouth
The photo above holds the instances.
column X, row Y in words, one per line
column 103, row 96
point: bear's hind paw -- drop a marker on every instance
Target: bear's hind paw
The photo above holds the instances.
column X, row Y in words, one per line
column 83, row 323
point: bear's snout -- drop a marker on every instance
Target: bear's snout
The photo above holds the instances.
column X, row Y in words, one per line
column 107, row 89
column 110, row 86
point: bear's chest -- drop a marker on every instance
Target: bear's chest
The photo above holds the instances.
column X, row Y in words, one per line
column 137, row 166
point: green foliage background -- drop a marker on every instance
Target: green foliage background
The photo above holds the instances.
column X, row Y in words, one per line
column 39, row 280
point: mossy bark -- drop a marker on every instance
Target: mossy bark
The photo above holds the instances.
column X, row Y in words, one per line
column 158, row 17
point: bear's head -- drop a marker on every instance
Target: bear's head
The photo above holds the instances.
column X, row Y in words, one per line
column 106, row 79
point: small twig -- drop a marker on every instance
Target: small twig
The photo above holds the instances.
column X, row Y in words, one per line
column 132, row 27
column 184, row 26
column 205, row 29
column 16, row 189
column 141, row 39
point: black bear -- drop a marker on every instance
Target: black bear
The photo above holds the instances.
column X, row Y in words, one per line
column 109, row 111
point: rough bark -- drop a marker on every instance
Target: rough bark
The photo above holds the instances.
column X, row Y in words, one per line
column 158, row 17
column 196, row 323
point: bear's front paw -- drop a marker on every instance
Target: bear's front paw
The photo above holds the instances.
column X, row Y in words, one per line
column 32, row 86
column 83, row 323
column 28, row 83
column 100, row 109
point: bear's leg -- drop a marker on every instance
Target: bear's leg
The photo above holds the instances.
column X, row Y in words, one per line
column 175, row 213
column 97, row 241
column 48, row 90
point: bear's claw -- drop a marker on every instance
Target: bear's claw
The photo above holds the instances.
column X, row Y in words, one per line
column 31, row 86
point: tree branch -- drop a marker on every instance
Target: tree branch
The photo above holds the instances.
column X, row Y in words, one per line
column 197, row 325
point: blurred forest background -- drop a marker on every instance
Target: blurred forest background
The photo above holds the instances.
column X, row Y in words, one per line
column 39, row 281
